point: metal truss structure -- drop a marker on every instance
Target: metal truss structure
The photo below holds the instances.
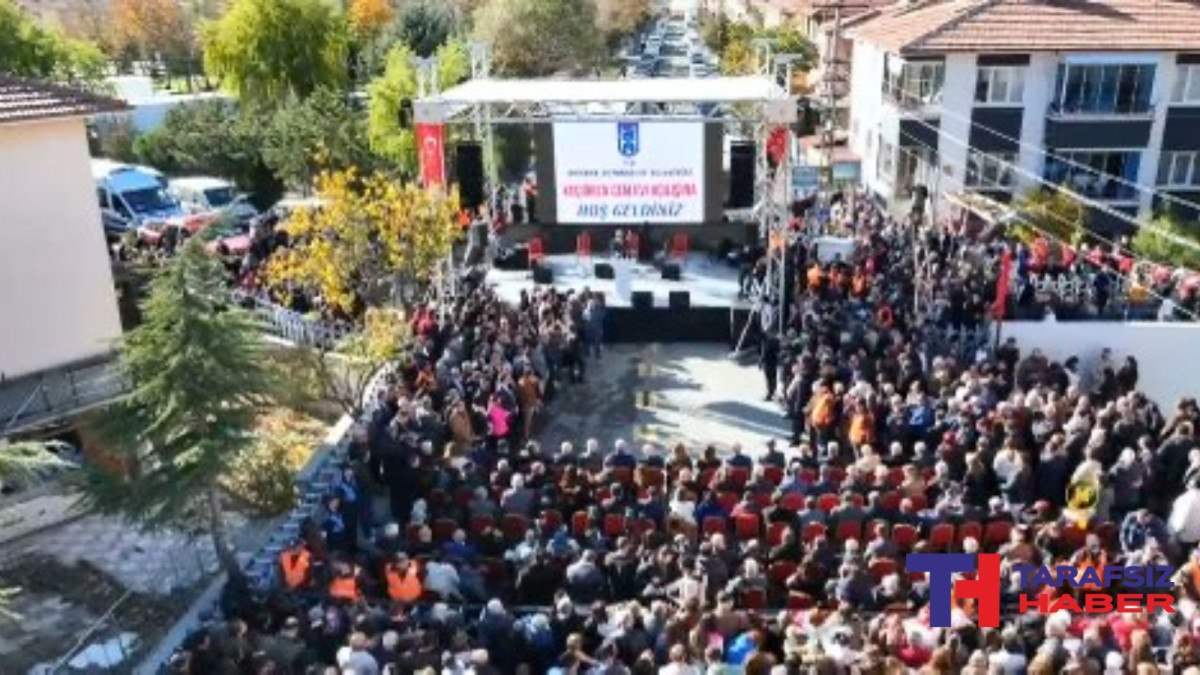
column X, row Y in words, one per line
column 755, row 105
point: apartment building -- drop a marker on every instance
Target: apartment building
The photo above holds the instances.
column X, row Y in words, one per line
column 993, row 95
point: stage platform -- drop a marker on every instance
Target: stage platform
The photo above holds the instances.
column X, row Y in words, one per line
column 715, row 313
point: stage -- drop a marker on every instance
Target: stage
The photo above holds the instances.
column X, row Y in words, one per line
column 714, row 313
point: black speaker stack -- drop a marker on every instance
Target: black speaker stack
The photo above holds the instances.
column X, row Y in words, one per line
column 543, row 274
column 671, row 272
column 642, row 301
column 604, row 270
column 468, row 171
column 678, row 300
column 741, row 175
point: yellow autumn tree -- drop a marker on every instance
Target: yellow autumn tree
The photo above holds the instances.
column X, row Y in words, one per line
column 373, row 242
column 368, row 18
column 150, row 27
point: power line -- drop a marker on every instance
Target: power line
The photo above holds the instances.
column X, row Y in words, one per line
column 1042, row 151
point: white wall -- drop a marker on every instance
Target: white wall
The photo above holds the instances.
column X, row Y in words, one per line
column 1164, row 80
column 958, row 97
column 1168, row 354
column 869, row 117
column 57, row 303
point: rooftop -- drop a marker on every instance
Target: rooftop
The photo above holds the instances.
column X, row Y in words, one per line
column 991, row 26
column 31, row 101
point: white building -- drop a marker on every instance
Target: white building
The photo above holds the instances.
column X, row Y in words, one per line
column 992, row 94
column 58, row 308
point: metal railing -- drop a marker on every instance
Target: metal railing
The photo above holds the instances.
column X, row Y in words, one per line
column 50, row 395
column 290, row 325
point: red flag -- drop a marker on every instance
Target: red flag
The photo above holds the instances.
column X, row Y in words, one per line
column 430, row 141
column 777, row 144
column 1001, row 302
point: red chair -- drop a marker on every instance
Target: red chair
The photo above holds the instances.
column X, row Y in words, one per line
column 941, row 537
column 775, row 533
column 798, row 600
column 551, row 520
column 858, row 500
column 747, row 526
column 641, row 526
column 583, row 247
column 763, row 500
column 890, row 501
column 652, row 476
column 837, row 474
column 443, row 529
column 895, row 477
column 481, row 522
column 881, row 567
column 919, row 502
column 808, row 475
column 706, row 477
column 970, row 529
column 814, row 531
column 773, row 474
column 579, row 523
column 614, row 525
column 849, row 529
column 537, row 251
column 753, row 599
column 739, row 476
column 828, row 502
column 792, row 501
column 514, row 526
column 997, row 533
column 679, row 246
column 728, row 500
column 905, row 536
column 623, row 475
column 633, row 245
column 780, row 571
column 714, row 525
column 875, row 527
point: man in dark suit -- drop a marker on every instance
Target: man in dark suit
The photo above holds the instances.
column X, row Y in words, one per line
column 768, row 360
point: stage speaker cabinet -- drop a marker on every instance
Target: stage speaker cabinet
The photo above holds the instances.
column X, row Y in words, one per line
column 671, row 272
column 468, row 172
column 741, row 175
column 543, row 274
column 604, row 270
column 679, row 300
column 643, row 301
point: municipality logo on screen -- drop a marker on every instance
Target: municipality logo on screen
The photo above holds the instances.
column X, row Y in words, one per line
column 627, row 139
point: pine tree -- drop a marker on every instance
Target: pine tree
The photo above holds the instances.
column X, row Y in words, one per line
column 198, row 381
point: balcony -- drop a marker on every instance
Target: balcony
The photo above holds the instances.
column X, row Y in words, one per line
column 1087, row 91
column 914, row 87
column 912, row 101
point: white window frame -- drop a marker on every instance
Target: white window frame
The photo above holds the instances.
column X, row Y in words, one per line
column 886, row 161
column 1001, row 166
column 1172, row 163
column 1013, row 78
column 1186, row 89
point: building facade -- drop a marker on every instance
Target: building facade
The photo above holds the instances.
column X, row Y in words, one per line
column 998, row 95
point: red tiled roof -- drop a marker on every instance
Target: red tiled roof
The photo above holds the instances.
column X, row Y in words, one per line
column 30, row 100
column 824, row 7
column 942, row 26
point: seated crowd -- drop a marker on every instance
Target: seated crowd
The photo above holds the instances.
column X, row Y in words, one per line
column 502, row 555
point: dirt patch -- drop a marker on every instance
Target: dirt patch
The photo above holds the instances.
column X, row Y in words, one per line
column 85, row 591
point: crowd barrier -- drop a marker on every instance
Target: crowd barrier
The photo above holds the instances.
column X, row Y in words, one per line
column 290, row 325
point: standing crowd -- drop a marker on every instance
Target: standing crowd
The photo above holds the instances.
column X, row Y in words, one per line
column 502, row 555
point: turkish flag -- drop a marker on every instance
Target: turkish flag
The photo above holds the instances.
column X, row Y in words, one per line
column 777, row 144
column 430, row 148
column 1001, row 302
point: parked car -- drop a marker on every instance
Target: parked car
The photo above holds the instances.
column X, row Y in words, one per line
column 132, row 197
column 201, row 195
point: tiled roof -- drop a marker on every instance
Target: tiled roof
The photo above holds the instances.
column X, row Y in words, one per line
column 30, row 100
column 824, row 8
column 943, row 26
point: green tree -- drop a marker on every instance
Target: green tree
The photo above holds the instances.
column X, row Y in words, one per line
column 424, row 26
column 618, row 19
column 535, row 38
column 388, row 94
column 514, row 149
column 199, row 382
column 1168, row 241
column 30, row 50
column 266, row 51
column 320, row 132
column 213, row 137
column 24, row 464
column 1050, row 213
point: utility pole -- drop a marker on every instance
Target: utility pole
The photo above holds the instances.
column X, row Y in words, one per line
column 832, row 86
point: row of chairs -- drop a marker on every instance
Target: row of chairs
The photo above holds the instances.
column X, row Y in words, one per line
column 678, row 249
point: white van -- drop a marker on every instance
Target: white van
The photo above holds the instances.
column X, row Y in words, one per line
column 203, row 195
column 132, row 197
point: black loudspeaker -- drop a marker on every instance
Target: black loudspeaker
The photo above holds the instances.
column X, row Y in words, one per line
column 468, row 171
column 604, row 270
column 670, row 272
column 543, row 275
column 741, row 175
column 679, row 300
column 642, row 300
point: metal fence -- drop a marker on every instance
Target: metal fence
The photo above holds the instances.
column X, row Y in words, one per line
column 290, row 325
column 50, row 395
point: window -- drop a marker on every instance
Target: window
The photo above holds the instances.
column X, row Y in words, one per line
column 1187, row 84
column 991, row 171
column 102, row 197
column 1000, row 84
column 1104, row 89
column 886, row 159
column 913, row 84
column 1179, row 169
column 1108, row 175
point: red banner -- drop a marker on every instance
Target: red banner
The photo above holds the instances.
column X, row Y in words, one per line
column 431, row 140
column 1001, row 302
column 777, row 144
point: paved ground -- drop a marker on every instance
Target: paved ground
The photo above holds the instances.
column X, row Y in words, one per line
column 697, row 396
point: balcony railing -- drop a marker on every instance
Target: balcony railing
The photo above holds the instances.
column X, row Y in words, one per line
column 912, row 101
column 1088, row 110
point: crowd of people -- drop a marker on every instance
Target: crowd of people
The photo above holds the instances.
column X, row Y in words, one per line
column 498, row 554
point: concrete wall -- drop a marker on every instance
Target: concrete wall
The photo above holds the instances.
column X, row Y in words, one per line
column 1168, row 354
column 57, row 303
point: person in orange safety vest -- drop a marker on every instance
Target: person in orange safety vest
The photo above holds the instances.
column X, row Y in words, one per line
column 403, row 577
column 296, row 564
column 344, row 585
